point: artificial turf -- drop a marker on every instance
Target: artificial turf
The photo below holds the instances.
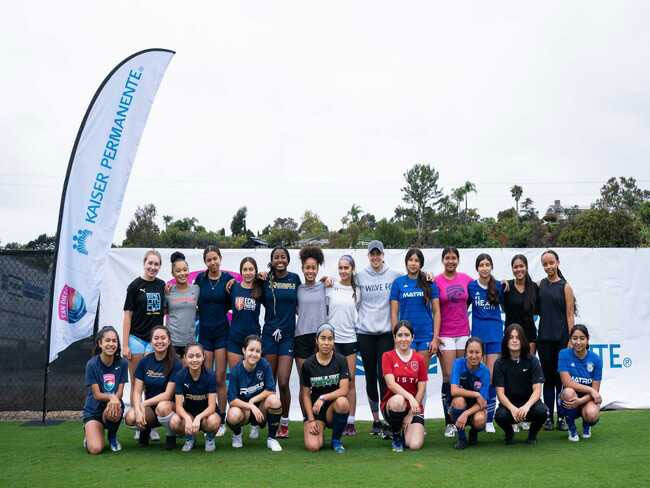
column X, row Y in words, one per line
column 618, row 454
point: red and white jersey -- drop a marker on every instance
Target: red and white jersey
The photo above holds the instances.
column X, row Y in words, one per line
column 407, row 374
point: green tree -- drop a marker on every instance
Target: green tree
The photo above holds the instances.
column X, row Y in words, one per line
column 601, row 228
column 421, row 192
column 311, row 225
column 167, row 219
column 468, row 188
column 516, row 191
column 142, row 230
column 238, row 224
column 622, row 194
column 391, row 234
column 283, row 232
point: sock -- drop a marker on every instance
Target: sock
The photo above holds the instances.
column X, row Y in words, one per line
column 350, row 419
column 571, row 415
column 112, row 427
column 236, row 429
column 273, row 420
column 189, row 438
column 210, row 436
column 284, row 421
column 164, row 421
column 445, row 394
column 396, row 420
column 492, row 404
column 222, row 415
column 338, row 425
column 374, row 405
column 589, row 424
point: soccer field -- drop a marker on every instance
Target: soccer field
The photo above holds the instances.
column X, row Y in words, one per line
column 618, row 454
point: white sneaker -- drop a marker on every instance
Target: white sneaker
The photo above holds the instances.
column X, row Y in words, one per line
column 153, row 435
column 586, row 432
column 210, row 444
column 489, row 428
column 136, row 434
column 450, row 430
column 525, row 426
column 255, row 432
column 237, row 441
column 515, row 427
column 273, row 444
column 189, row 445
column 222, row 431
column 574, row 437
column 85, row 444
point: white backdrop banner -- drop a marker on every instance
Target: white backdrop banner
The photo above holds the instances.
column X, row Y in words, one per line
column 610, row 286
column 94, row 187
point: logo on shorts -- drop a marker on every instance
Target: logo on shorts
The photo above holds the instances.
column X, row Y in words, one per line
column 109, row 382
column 72, row 306
column 80, row 241
column 415, row 365
column 260, row 374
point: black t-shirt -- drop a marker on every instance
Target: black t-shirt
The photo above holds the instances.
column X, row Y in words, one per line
column 323, row 379
column 146, row 300
column 518, row 378
column 516, row 308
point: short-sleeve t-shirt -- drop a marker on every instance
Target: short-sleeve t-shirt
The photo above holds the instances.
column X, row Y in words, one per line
column 108, row 378
column 517, row 377
column 407, row 374
column 323, row 378
column 453, row 305
column 412, row 306
column 152, row 373
column 214, row 303
column 146, row 301
column 312, row 310
column 584, row 371
column 244, row 384
column 342, row 311
column 486, row 317
column 195, row 393
column 472, row 380
column 181, row 314
column 280, row 304
column 245, row 313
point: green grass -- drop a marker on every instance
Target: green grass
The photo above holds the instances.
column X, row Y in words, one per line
column 616, row 455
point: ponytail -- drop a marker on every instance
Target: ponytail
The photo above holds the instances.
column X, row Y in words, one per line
column 423, row 284
column 493, row 294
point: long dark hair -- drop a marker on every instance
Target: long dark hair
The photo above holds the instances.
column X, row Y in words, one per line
column 559, row 273
column 530, row 297
column 256, row 292
column 403, row 323
column 170, row 354
column 478, row 341
column 272, row 276
column 100, row 335
column 353, row 283
column 450, row 249
column 211, row 248
column 523, row 341
column 422, row 281
column 493, row 294
column 200, row 346
column 582, row 328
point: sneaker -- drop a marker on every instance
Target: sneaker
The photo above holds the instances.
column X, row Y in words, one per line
column 274, row 445
column 143, row 438
column 136, row 435
column 586, row 431
column 397, row 445
column 548, row 425
column 154, row 435
column 450, row 430
column 525, row 425
column 210, row 444
column 515, row 427
column 473, row 437
column 489, row 428
column 115, row 444
column 350, row 430
column 170, row 442
column 189, row 444
column 85, row 444
column 338, row 447
column 386, row 433
column 283, row 432
column 561, row 424
column 573, row 435
column 460, row 444
column 255, row 432
column 376, row 428
column 237, row 441
column 222, row 430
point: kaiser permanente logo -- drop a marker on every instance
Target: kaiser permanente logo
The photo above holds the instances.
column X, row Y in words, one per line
column 80, row 241
column 72, row 306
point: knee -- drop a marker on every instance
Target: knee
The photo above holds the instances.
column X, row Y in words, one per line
column 590, row 413
column 272, row 401
column 459, row 403
column 235, row 416
column 114, row 418
column 478, row 420
column 501, row 415
column 176, row 423
column 568, row 394
column 163, row 409
column 341, row 405
column 397, row 403
column 129, row 418
column 283, row 382
column 212, row 423
column 221, row 376
column 313, row 445
column 94, row 447
column 416, row 443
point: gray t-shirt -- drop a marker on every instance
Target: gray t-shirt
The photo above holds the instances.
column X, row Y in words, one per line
column 312, row 311
column 181, row 314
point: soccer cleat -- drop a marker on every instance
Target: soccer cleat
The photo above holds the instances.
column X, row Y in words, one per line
column 154, row 435
column 210, row 444
column 338, row 447
column 350, row 430
column 254, row 433
column 376, row 428
column 386, row 433
column 188, row 445
column 273, row 444
column 115, row 444
column 397, row 445
column 489, row 428
column 237, row 441
column 170, row 442
column 460, row 444
column 586, row 431
column 222, row 430
column 525, row 425
column 548, row 425
column 562, row 425
column 283, row 432
column 515, row 427
column 473, row 437
column 450, row 430
column 573, row 435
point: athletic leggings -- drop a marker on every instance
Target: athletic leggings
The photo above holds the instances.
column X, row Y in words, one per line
column 548, row 352
column 372, row 347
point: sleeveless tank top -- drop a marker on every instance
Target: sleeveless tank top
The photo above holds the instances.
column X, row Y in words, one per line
column 553, row 324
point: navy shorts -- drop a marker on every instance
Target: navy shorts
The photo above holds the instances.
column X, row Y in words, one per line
column 283, row 347
column 213, row 343
column 99, row 417
column 235, row 346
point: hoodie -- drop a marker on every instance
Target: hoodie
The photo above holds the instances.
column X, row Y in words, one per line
column 374, row 310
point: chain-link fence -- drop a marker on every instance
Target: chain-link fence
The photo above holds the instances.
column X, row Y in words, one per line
column 25, row 278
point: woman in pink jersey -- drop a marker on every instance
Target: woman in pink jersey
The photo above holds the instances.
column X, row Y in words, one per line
column 449, row 340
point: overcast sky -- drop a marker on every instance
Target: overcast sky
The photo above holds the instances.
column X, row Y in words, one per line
column 287, row 106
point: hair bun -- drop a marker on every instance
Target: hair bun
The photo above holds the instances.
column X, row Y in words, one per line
column 177, row 256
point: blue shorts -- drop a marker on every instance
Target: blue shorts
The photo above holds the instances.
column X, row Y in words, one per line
column 213, row 343
column 139, row 346
column 235, row 346
column 492, row 347
column 420, row 345
column 283, row 347
column 562, row 411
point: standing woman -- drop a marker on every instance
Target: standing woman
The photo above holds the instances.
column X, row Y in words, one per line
column 449, row 341
column 154, row 376
column 520, row 300
column 106, row 373
column 246, row 298
column 214, row 303
column 324, row 381
column 312, row 308
column 557, row 310
column 581, row 372
column 280, row 305
column 374, row 331
column 486, row 295
column 342, row 310
column 181, row 299
column 143, row 309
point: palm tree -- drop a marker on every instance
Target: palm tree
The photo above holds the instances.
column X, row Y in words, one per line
column 167, row 219
column 516, row 191
column 468, row 187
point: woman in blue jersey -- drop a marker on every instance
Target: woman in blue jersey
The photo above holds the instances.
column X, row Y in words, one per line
column 195, row 400
column 581, row 372
column 106, row 373
column 152, row 377
column 251, row 395
column 246, row 298
column 280, row 305
column 213, row 305
column 485, row 298
column 470, row 383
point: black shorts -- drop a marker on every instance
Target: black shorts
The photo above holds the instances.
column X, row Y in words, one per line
column 531, row 333
column 322, row 413
column 180, row 350
column 304, row 345
column 347, row 348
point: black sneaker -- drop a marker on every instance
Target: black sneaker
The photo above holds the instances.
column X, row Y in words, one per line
column 460, row 444
column 386, row 433
column 473, row 437
column 143, row 440
column 561, row 424
column 376, row 428
column 548, row 425
column 170, row 442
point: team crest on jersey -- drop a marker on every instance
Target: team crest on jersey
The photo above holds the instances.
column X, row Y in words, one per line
column 260, row 374
column 415, row 365
column 109, row 382
column 590, row 367
column 477, row 385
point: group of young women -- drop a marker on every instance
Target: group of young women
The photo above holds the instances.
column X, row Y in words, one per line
column 396, row 322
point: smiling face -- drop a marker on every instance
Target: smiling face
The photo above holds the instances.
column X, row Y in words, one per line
column 151, row 266
column 579, row 341
column 345, row 270
column 473, row 354
column 160, row 341
column 550, row 264
column 180, row 272
column 252, row 353
column 310, row 270
column 413, row 265
column 484, row 268
column 450, row 262
column 403, row 339
column 248, row 272
column 519, row 269
column 108, row 343
column 213, row 262
column 279, row 260
column 376, row 259
column 194, row 357
column 325, row 342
